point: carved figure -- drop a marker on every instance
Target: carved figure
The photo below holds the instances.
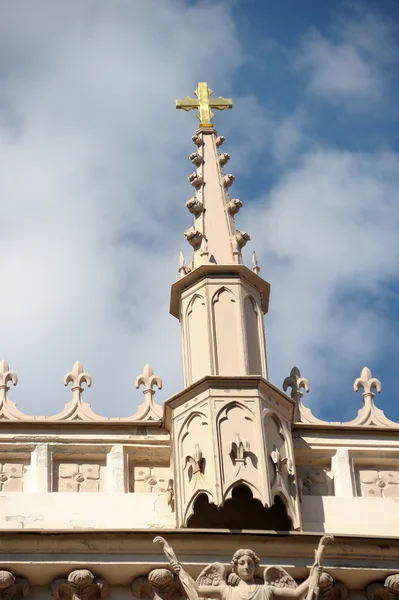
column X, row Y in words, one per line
column 389, row 590
column 79, row 585
column 13, row 587
column 161, row 584
column 243, row 583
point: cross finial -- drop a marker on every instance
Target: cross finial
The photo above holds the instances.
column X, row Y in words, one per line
column 204, row 103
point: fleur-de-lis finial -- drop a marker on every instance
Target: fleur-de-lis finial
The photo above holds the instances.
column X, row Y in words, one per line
column 297, row 383
column 148, row 380
column 77, row 376
column 368, row 383
column 6, row 375
column 148, row 410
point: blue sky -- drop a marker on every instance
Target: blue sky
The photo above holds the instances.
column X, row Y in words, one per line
column 93, row 182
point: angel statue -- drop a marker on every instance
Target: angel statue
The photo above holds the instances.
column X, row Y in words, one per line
column 243, row 583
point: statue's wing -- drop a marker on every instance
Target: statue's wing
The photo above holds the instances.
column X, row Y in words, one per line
column 213, row 574
column 278, row 577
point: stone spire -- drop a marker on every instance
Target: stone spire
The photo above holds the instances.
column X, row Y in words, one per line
column 217, row 299
column 213, row 236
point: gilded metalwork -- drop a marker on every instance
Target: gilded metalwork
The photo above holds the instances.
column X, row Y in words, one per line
column 204, row 103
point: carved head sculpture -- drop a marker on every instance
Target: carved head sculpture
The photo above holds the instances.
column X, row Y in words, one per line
column 161, row 581
column 245, row 564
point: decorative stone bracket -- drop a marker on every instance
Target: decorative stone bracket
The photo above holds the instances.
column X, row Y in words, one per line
column 331, row 589
column 389, row 590
column 13, row 587
column 160, row 584
column 79, row 585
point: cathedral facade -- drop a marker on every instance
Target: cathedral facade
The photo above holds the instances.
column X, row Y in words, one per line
column 232, row 489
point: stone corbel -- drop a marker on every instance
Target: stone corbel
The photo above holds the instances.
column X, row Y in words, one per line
column 160, row 584
column 195, row 180
column 224, row 159
column 228, row 180
column 196, row 158
column 389, row 590
column 13, row 587
column 198, row 141
column 331, row 589
column 79, row 585
column 194, row 237
column 239, row 239
column 233, row 206
column 195, row 206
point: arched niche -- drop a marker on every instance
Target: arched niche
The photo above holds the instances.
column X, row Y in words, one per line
column 197, row 338
column 252, row 330
column 241, row 512
column 225, row 326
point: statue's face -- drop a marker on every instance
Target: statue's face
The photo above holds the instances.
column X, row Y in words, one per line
column 245, row 568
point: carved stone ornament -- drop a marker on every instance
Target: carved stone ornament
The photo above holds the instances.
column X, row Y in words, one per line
column 224, row 158
column 228, row 181
column 239, row 239
column 297, row 383
column 77, row 409
column 195, row 462
column 8, row 409
column 369, row 414
column 214, row 575
column 195, row 180
column 79, row 585
column 160, row 584
column 219, row 140
column 196, row 158
column 148, row 410
column 195, row 206
column 198, row 141
column 233, row 206
column 193, row 237
column 331, row 589
column 13, row 587
column 389, row 590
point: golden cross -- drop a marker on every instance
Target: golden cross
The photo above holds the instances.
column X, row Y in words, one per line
column 204, row 103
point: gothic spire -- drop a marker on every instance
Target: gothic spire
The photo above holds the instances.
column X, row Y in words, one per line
column 213, row 236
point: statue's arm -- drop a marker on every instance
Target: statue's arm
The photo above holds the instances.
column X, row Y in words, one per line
column 298, row 592
column 302, row 589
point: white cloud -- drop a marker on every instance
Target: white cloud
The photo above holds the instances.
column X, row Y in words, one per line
column 326, row 238
column 93, row 181
column 350, row 62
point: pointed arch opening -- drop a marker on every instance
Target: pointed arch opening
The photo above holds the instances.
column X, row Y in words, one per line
column 241, row 512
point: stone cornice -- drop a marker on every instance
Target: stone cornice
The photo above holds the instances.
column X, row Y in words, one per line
column 219, row 381
column 216, row 271
column 119, row 557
